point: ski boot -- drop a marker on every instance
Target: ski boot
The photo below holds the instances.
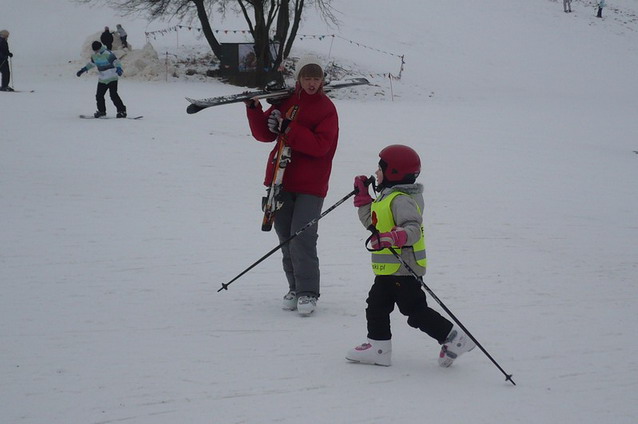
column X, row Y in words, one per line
column 375, row 352
column 456, row 344
column 306, row 305
column 290, row 301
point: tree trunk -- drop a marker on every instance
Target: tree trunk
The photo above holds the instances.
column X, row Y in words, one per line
column 295, row 27
column 260, row 35
column 206, row 28
column 283, row 23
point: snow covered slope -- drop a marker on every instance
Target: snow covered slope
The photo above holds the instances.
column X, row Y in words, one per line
column 117, row 234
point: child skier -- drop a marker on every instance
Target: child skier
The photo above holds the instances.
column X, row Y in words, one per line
column 395, row 218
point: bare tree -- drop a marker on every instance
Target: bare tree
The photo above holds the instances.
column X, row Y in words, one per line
column 280, row 17
column 287, row 15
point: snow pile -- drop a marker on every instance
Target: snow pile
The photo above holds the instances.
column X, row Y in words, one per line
column 142, row 64
column 145, row 64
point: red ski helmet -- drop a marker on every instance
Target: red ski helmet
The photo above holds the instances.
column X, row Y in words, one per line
column 400, row 164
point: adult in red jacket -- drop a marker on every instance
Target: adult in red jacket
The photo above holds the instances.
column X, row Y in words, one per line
column 311, row 131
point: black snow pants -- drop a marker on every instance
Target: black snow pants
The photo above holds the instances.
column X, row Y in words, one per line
column 408, row 295
column 5, row 70
column 112, row 89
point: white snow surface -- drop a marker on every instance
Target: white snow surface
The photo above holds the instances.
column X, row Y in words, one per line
column 117, row 234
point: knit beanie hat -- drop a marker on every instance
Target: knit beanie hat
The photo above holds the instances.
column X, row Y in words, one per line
column 308, row 60
column 96, row 46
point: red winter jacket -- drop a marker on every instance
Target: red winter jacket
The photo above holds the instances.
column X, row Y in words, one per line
column 312, row 136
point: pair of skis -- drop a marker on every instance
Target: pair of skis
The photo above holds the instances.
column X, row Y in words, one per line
column 201, row 104
column 272, row 201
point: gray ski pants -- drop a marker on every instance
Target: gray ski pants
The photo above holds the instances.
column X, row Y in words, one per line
column 300, row 261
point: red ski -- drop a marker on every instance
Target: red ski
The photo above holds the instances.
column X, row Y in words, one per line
column 272, row 201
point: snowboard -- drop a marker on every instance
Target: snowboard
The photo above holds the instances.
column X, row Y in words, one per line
column 18, row 91
column 110, row 117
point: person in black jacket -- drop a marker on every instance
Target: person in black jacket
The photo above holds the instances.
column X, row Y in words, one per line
column 5, row 54
column 107, row 38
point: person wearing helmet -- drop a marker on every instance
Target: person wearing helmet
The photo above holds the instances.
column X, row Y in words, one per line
column 308, row 123
column 395, row 218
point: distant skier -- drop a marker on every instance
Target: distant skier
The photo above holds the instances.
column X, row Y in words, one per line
column 109, row 69
column 123, row 35
column 567, row 6
column 5, row 54
column 396, row 219
column 601, row 4
column 107, row 38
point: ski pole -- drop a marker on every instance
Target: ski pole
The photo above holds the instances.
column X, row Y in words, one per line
column 508, row 377
column 299, row 231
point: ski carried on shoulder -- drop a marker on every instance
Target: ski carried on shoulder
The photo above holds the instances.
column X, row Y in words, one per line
column 272, row 201
column 111, row 117
column 201, row 104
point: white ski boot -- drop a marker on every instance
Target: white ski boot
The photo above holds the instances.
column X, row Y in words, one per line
column 289, row 302
column 375, row 352
column 306, row 305
column 456, row 344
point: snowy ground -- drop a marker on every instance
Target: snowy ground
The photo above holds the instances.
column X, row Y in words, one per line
column 118, row 233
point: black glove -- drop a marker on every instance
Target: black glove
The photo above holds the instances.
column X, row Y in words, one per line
column 274, row 121
column 275, row 100
column 251, row 104
column 81, row 71
column 10, row 54
column 284, row 124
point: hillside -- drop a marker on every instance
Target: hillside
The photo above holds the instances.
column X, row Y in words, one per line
column 117, row 234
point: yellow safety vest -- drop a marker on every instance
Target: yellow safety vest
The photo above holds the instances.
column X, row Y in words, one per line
column 383, row 261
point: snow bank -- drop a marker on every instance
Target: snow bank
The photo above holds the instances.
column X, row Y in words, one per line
column 143, row 64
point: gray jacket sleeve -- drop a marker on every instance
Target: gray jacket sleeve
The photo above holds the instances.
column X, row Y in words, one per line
column 365, row 215
column 407, row 216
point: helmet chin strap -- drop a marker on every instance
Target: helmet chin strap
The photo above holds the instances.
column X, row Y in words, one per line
column 375, row 187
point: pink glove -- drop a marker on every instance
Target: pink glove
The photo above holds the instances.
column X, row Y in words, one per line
column 396, row 237
column 362, row 197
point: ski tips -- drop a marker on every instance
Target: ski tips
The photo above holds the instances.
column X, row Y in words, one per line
column 192, row 108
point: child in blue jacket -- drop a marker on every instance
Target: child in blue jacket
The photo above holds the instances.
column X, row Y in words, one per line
column 109, row 69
